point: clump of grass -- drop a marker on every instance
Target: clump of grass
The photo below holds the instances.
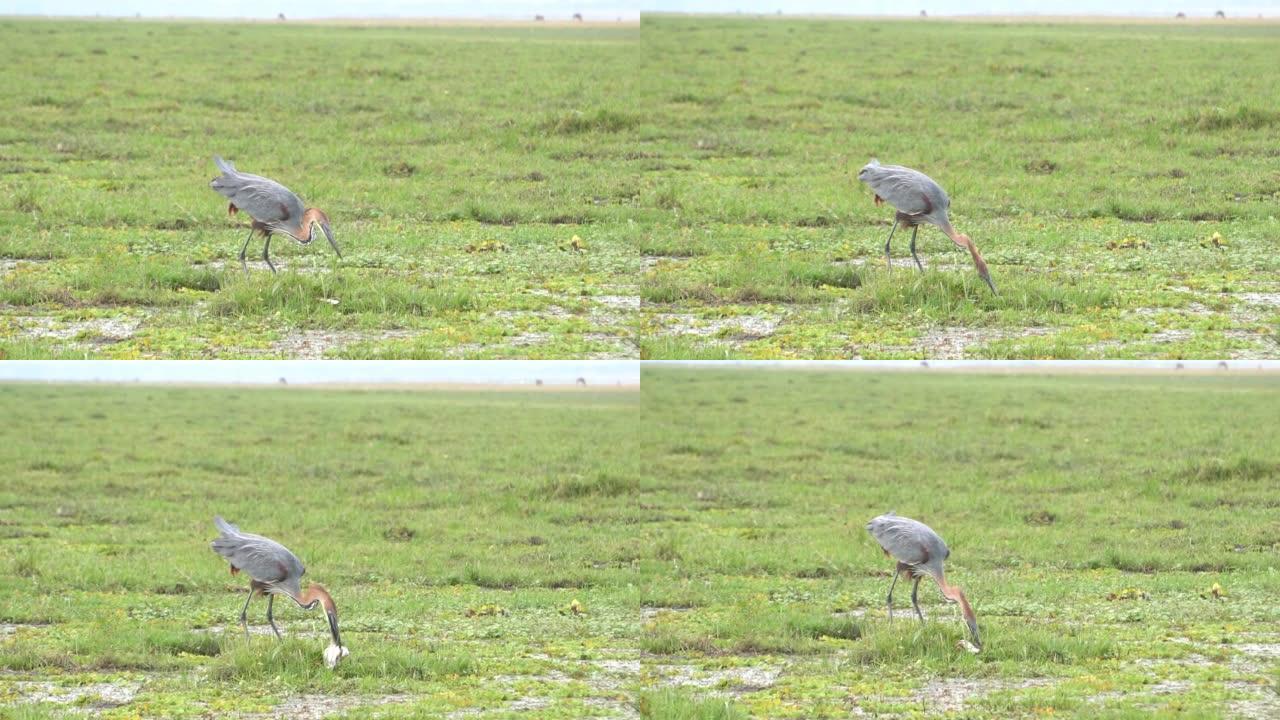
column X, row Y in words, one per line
column 750, row 630
column 937, row 645
column 299, row 663
column 1217, row 470
column 309, row 297
column 678, row 704
column 598, row 485
column 401, row 169
column 1243, row 117
column 577, row 122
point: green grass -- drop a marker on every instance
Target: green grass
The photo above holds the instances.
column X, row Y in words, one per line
column 456, row 164
column 1093, row 165
column 696, row 551
column 417, row 510
column 1088, row 536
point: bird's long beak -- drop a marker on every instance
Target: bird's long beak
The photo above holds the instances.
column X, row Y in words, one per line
column 333, row 627
column 328, row 233
column 973, row 630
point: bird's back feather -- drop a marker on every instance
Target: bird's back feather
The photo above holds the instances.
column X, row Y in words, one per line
column 909, row 541
column 909, row 191
column 264, row 559
column 266, row 200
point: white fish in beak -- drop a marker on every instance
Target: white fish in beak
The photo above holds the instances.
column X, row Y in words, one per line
column 333, row 654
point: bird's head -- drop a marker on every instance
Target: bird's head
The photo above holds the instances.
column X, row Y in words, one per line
column 316, row 216
column 317, row 594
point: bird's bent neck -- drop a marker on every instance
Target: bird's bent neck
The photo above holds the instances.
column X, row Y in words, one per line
column 316, row 593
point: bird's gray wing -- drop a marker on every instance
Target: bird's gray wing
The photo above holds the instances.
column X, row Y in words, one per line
column 908, row 190
column 263, row 198
column 263, row 559
column 900, row 537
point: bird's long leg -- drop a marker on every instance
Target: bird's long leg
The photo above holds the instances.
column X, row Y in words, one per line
column 266, row 256
column 244, row 614
column 915, row 603
column 891, row 586
column 914, row 228
column 243, row 249
column 887, row 260
column 270, row 598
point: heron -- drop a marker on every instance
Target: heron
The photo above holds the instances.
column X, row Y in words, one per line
column 273, row 207
column 917, row 199
column 273, row 570
column 919, row 552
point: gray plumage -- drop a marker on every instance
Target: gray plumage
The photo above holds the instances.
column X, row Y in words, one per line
column 910, row 542
column 263, row 559
column 919, row 552
column 273, row 207
column 918, row 201
column 266, row 200
column 910, row 192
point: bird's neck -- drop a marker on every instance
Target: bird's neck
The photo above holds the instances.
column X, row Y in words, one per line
column 317, row 593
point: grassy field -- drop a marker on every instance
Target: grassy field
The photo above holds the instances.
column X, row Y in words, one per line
column 1089, row 538
column 456, row 531
column 1121, row 180
column 506, row 554
column 457, row 164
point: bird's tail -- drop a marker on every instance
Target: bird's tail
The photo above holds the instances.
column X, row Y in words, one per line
column 224, row 526
column 223, row 165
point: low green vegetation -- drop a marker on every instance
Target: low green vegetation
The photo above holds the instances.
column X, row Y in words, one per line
column 466, row 583
column 1119, row 179
column 694, row 551
column 479, row 181
column 1115, row 534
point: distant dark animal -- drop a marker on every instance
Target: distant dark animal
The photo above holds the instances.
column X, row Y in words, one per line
column 273, row 207
column 1222, row 364
column 577, row 16
column 919, row 551
column 538, row 18
column 582, row 382
column 924, row 14
column 273, row 570
column 918, row 200
column 280, row 17
column 1220, row 14
column 538, row 382
column 1181, row 16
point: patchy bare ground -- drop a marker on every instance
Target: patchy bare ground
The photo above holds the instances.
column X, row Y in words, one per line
column 92, row 331
column 97, row 696
column 316, row 707
column 740, row 328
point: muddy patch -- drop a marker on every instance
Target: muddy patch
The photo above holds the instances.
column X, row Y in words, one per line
column 734, row 681
column 15, row 628
column 741, row 328
column 951, row 343
column 1270, row 301
column 8, row 265
column 314, row 344
column 96, row 331
column 948, row 695
column 98, row 696
column 621, row 302
column 315, row 707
